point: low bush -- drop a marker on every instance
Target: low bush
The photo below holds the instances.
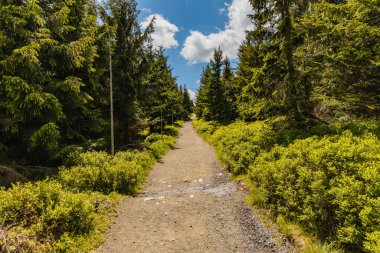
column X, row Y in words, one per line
column 44, row 217
column 69, row 213
column 330, row 185
column 159, row 144
column 206, row 128
column 238, row 144
column 325, row 178
column 123, row 173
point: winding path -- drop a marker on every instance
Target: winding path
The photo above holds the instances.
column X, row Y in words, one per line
column 188, row 205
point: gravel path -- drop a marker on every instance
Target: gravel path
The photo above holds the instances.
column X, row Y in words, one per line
column 188, row 205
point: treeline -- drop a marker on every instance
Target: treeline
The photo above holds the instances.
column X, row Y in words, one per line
column 308, row 61
column 299, row 119
column 55, row 75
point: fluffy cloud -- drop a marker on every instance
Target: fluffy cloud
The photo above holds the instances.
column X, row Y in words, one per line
column 199, row 47
column 164, row 31
column 192, row 94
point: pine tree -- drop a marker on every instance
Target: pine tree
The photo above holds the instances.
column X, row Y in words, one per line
column 231, row 91
column 160, row 95
column 276, row 87
column 187, row 103
column 201, row 105
column 340, row 54
column 29, row 112
column 130, row 66
column 215, row 93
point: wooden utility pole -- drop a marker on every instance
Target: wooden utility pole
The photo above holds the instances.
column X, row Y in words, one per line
column 111, row 104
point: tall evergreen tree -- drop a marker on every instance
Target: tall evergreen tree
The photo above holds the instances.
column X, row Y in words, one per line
column 276, row 87
column 340, row 54
column 215, row 92
column 160, row 97
column 187, row 103
column 130, row 66
column 201, row 105
column 231, row 91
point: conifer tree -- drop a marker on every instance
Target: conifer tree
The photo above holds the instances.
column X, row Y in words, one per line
column 201, row 106
column 29, row 112
column 231, row 91
column 130, row 66
column 340, row 54
column 187, row 103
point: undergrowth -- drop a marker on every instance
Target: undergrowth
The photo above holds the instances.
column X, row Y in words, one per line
column 69, row 213
column 323, row 181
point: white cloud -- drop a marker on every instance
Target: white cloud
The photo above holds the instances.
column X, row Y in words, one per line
column 148, row 10
column 199, row 47
column 192, row 94
column 222, row 11
column 164, row 31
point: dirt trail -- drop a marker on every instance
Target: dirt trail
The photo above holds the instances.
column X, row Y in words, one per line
column 188, row 205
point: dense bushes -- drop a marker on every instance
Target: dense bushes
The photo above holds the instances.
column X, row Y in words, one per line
column 238, row 144
column 327, row 179
column 45, row 217
column 124, row 173
column 331, row 185
column 68, row 213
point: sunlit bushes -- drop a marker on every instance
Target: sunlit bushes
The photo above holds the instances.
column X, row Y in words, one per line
column 206, row 128
column 124, row 173
column 45, row 217
column 238, row 144
column 331, row 185
column 68, row 213
column 326, row 178
column 103, row 173
column 159, row 144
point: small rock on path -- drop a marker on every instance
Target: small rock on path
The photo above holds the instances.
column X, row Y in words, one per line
column 188, row 205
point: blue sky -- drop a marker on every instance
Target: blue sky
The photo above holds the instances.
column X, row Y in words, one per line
column 191, row 29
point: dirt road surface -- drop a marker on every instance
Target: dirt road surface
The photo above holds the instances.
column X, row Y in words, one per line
column 189, row 205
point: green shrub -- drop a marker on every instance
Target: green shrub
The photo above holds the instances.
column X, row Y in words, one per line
column 66, row 215
column 159, row 144
column 171, row 130
column 206, row 128
column 37, row 217
column 100, row 172
column 238, row 144
column 331, row 185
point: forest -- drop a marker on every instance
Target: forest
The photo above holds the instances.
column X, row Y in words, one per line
column 58, row 59
column 299, row 117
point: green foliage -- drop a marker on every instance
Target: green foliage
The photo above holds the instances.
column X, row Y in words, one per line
column 329, row 184
column 217, row 94
column 47, row 137
column 206, row 128
column 238, row 144
column 100, row 172
column 45, row 217
column 68, row 214
column 159, row 144
column 326, row 178
column 341, row 47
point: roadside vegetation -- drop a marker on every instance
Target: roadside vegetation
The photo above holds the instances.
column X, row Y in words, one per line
column 70, row 211
column 299, row 119
column 326, row 180
column 58, row 183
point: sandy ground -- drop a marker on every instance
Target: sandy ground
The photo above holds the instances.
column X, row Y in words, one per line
column 189, row 205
